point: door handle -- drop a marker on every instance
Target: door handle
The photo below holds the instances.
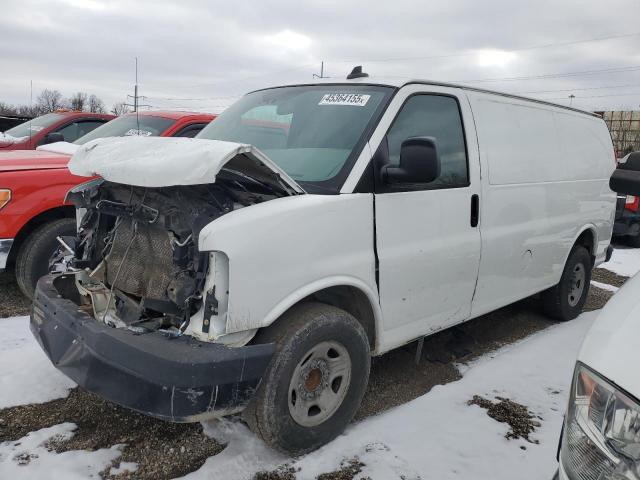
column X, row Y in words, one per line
column 475, row 210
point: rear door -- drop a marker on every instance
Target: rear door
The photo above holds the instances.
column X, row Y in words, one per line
column 427, row 235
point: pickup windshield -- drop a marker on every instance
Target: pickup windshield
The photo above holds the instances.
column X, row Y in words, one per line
column 314, row 133
column 32, row 127
column 129, row 125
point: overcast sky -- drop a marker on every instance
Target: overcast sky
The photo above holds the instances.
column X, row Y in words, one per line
column 199, row 55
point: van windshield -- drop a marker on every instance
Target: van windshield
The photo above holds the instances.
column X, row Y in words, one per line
column 314, row 133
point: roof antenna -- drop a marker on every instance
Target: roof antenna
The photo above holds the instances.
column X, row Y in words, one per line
column 357, row 73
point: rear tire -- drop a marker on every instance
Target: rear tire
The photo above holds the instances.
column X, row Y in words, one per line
column 634, row 241
column 315, row 381
column 566, row 300
column 33, row 257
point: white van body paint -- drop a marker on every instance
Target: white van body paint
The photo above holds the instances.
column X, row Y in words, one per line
column 286, row 249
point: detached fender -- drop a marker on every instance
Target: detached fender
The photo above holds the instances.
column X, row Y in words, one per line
column 285, row 249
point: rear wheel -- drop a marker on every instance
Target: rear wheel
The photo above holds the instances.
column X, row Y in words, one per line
column 566, row 300
column 634, row 241
column 314, row 384
column 33, row 257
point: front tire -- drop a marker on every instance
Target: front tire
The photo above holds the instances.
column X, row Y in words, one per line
column 315, row 382
column 566, row 300
column 33, row 257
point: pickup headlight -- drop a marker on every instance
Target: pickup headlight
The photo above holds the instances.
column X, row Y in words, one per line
column 601, row 439
column 5, row 197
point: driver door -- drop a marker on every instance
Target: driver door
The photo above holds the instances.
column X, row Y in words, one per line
column 427, row 239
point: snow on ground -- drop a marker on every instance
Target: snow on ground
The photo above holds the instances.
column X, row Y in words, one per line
column 27, row 375
column 29, row 459
column 604, row 286
column 625, row 261
column 438, row 436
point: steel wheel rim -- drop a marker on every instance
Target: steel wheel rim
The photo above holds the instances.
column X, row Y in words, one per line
column 319, row 383
column 577, row 285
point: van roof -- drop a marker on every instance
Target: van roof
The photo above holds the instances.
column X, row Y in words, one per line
column 398, row 82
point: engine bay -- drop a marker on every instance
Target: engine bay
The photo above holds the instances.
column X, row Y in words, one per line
column 136, row 260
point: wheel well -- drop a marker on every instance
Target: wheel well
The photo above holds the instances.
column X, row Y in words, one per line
column 348, row 298
column 354, row 301
column 40, row 219
column 587, row 239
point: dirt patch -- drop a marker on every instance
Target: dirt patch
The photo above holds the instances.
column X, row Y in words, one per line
column 347, row 471
column 283, row 472
column 161, row 449
column 517, row 416
column 12, row 301
column 603, row 275
column 597, row 298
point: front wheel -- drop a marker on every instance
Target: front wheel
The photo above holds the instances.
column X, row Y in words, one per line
column 33, row 257
column 566, row 300
column 314, row 384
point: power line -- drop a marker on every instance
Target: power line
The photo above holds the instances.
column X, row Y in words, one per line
column 604, row 87
column 464, row 54
column 557, row 75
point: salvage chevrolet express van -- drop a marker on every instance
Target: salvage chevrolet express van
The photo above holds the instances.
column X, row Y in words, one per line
column 259, row 266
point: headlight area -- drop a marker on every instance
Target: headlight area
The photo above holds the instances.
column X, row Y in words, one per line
column 601, row 439
column 5, row 197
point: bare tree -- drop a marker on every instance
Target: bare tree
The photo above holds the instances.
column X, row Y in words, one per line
column 7, row 109
column 78, row 101
column 96, row 105
column 49, row 101
column 120, row 108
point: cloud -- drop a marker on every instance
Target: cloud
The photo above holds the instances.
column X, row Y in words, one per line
column 200, row 54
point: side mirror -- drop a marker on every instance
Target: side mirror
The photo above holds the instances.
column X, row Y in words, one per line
column 626, row 178
column 52, row 138
column 419, row 162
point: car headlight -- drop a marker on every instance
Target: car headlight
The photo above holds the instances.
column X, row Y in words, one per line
column 601, row 439
column 5, row 197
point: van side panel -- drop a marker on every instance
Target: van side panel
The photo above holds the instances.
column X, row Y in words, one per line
column 545, row 180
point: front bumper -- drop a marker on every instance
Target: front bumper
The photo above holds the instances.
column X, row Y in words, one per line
column 178, row 379
column 5, row 248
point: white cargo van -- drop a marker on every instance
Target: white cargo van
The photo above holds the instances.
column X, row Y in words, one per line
column 261, row 264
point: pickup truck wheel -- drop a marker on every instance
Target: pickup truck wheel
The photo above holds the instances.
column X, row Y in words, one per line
column 315, row 381
column 565, row 300
column 33, row 257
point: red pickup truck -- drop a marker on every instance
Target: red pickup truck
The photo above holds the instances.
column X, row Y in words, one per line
column 33, row 185
column 60, row 126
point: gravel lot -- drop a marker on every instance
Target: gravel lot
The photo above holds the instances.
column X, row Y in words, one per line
column 164, row 450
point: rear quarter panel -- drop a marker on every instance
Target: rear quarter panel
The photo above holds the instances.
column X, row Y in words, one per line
column 545, row 176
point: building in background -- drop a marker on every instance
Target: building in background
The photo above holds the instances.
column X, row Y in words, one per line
column 625, row 130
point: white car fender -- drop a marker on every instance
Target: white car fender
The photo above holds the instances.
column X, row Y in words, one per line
column 283, row 250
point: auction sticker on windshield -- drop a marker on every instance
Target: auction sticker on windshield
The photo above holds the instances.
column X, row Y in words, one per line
column 353, row 99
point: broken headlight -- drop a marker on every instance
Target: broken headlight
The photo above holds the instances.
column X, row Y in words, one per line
column 601, row 437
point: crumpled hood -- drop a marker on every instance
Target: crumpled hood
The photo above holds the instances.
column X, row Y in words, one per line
column 612, row 344
column 163, row 162
column 13, row 160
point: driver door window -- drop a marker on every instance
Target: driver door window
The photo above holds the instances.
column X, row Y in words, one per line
column 435, row 116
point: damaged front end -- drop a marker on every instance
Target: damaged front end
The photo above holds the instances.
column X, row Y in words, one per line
column 116, row 313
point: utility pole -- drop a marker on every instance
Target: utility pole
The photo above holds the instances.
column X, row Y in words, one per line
column 136, row 104
column 571, row 97
column 321, row 71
